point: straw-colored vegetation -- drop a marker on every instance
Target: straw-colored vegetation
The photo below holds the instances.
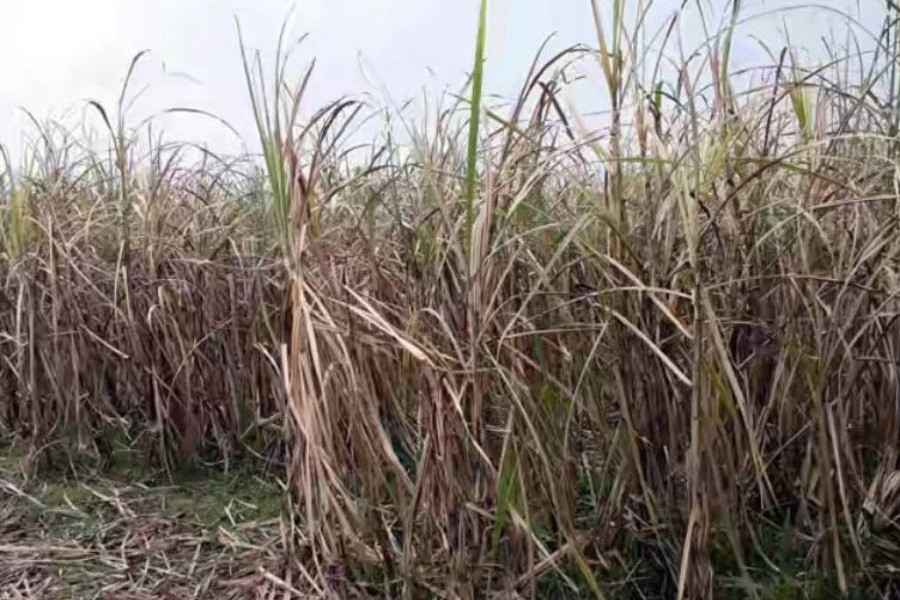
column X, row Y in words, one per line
column 495, row 354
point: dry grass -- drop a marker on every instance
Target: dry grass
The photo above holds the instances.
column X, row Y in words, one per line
column 656, row 360
column 124, row 536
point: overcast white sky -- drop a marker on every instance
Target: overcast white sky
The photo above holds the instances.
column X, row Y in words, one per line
column 55, row 54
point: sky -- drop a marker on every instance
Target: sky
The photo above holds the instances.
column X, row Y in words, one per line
column 55, row 55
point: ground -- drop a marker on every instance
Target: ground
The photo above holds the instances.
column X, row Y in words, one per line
column 124, row 534
column 127, row 531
